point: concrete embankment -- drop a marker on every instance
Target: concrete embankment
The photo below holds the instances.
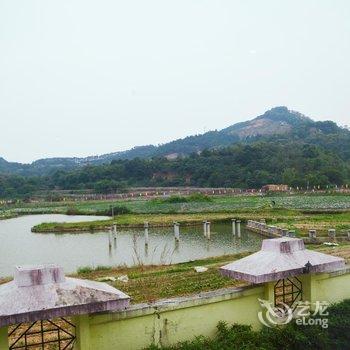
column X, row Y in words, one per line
column 267, row 230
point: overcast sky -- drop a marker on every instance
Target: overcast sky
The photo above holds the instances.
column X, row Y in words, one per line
column 83, row 77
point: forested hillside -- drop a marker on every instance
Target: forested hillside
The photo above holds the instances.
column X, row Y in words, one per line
column 242, row 165
column 280, row 146
column 276, row 125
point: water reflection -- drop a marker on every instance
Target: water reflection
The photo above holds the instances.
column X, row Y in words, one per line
column 116, row 247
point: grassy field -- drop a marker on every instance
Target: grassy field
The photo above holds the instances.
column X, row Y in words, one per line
column 215, row 204
column 319, row 221
column 298, row 212
column 149, row 283
column 159, row 220
column 299, row 221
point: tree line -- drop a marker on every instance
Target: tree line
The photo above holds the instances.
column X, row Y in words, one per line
column 241, row 165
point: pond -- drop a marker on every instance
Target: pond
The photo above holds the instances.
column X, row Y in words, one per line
column 19, row 246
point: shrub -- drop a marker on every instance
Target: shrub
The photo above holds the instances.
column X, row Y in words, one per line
column 175, row 199
column 72, row 211
column 117, row 210
column 102, row 268
column 84, row 269
column 199, row 197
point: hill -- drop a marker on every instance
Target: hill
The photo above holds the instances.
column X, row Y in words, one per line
column 280, row 146
column 278, row 124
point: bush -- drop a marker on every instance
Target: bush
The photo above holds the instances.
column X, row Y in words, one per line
column 72, row 211
column 84, row 269
column 117, row 210
column 175, row 199
column 199, row 197
column 103, row 268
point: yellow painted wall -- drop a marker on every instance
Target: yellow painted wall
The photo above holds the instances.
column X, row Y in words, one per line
column 169, row 325
column 178, row 321
column 331, row 287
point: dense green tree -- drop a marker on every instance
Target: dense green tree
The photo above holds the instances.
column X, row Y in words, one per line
column 253, row 165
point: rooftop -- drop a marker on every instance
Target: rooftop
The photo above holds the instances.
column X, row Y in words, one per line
column 281, row 258
column 43, row 292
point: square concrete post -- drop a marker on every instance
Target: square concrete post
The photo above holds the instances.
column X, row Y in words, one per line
column 205, row 228
column 82, row 332
column 146, row 225
column 312, row 233
column 233, row 226
column 4, row 341
column 331, row 233
column 269, row 292
column 238, row 224
column 310, row 287
column 284, row 232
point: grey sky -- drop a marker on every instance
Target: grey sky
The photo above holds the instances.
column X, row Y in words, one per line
column 83, row 77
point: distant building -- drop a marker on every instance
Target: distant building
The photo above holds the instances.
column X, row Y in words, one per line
column 275, row 188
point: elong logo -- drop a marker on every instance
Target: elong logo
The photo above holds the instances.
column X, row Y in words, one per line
column 283, row 314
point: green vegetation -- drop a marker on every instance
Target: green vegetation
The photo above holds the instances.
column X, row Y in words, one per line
column 193, row 198
column 278, row 145
column 83, row 270
column 149, row 283
column 298, row 212
column 321, row 222
column 242, row 165
column 289, row 337
column 309, row 202
column 160, row 220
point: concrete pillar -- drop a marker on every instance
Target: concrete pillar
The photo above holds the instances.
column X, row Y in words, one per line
column 310, row 288
column 110, row 238
column 4, row 341
column 177, row 231
column 146, row 250
column 269, row 293
column 284, row 232
column 238, row 222
column 291, row 233
column 233, row 226
column 208, row 229
column 273, row 230
column 312, row 234
column 204, row 228
column 146, row 232
column 82, row 332
column 331, row 233
column 115, row 231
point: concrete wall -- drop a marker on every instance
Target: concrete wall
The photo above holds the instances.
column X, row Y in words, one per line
column 332, row 287
column 174, row 320
column 168, row 322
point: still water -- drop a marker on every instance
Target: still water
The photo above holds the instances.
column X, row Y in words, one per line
column 19, row 246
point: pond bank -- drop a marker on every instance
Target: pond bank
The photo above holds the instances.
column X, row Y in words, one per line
column 164, row 220
column 300, row 221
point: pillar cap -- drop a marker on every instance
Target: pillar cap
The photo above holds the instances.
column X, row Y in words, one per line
column 280, row 258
